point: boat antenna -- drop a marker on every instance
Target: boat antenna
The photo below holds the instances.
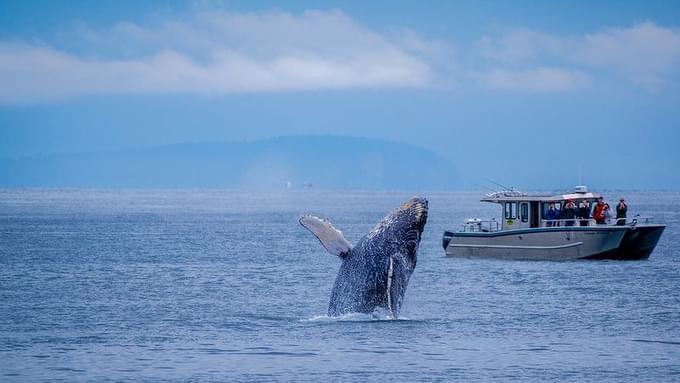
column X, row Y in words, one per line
column 497, row 184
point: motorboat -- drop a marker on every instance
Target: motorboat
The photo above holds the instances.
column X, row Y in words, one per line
column 529, row 230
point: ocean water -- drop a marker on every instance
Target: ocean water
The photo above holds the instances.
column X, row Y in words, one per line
column 218, row 285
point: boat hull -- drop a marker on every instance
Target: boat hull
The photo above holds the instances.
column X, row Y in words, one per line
column 558, row 244
column 638, row 243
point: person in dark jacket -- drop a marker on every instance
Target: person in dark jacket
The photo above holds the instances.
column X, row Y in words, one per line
column 606, row 214
column 621, row 211
column 552, row 213
column 584, row 212
column 569, row 212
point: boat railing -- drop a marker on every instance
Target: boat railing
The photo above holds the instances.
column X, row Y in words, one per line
column 568, row 222
column 635, row 220
column 476, row 225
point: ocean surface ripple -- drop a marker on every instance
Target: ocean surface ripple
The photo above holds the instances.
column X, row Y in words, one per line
column 219, row 285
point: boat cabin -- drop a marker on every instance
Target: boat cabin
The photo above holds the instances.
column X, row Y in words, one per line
column 520, row 210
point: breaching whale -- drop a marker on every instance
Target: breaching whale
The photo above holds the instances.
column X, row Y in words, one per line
column 375, row 272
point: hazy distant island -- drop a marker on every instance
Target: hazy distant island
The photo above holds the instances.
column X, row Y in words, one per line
column 284, row 162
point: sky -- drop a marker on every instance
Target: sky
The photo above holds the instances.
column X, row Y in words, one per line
column 531, row 94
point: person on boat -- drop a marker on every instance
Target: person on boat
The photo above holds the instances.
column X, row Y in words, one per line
column 597, row 212
column 569, row 212
column 551, row 214
column 583, row 210
column 621, row 210
column 607, row 214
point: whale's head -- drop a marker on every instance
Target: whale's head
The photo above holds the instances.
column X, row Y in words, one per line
column 399, row 233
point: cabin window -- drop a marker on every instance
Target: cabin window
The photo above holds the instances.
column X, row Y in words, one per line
column 524, row 211
column 510, row 210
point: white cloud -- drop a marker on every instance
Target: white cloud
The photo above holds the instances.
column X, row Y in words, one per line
column 519, row 46
column 645, row 54
column 218, row 52
column 540, row 79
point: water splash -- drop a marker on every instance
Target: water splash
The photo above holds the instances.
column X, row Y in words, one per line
column 379, row 314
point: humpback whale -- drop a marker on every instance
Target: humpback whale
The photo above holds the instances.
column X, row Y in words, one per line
column 375, row 272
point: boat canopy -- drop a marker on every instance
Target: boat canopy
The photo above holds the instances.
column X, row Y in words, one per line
column 516, row 196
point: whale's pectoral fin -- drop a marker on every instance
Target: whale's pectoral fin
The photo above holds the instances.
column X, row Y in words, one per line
column 330, row 237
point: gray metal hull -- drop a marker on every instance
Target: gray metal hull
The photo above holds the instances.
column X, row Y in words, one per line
column 558, row 244
column 638, row 243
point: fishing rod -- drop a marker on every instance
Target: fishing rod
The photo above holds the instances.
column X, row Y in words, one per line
column 485, row 187
column 497, row 184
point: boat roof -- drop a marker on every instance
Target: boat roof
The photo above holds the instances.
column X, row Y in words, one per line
column 514, row 195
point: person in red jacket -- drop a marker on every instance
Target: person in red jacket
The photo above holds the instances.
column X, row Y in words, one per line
column 597, row 213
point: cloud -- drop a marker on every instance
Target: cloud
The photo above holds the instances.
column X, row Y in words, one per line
column 221, row 52
column 540, row 79
column 645, row 54
column 218, row 52
column 519, row 46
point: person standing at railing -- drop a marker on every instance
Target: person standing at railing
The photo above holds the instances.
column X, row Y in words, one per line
column 621, row 211
column 569, row 212
column 552, row 213
column 584, row 212
column 606, row 214
column 597, row 213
